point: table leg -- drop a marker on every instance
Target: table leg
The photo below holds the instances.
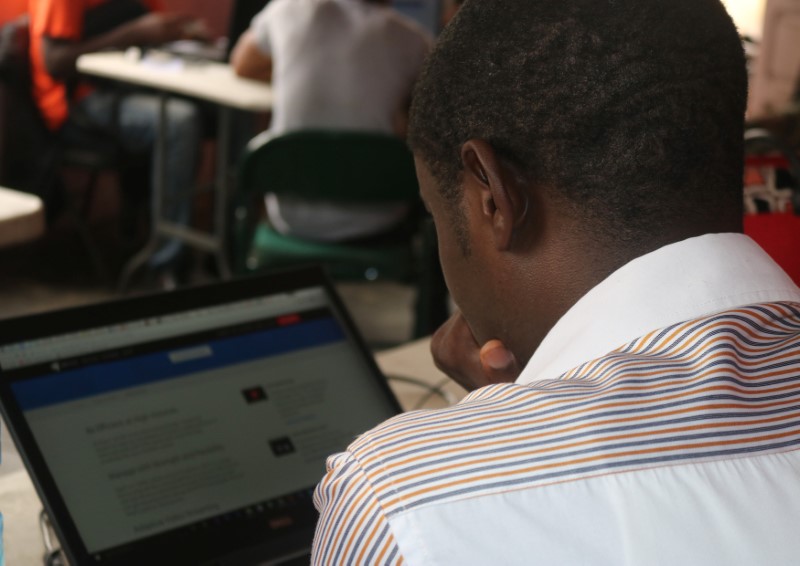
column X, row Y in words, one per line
column 163, row 228
column 140, row 259
column 221, row 191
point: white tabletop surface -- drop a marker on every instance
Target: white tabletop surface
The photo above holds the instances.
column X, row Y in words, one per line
column 20, row 505
column 206, row 80
column 21, row 217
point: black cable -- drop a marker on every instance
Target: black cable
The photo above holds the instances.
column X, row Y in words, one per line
column 52, row 555
column 432, row 389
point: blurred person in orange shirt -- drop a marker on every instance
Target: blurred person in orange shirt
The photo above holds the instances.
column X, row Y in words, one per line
column 63, row 30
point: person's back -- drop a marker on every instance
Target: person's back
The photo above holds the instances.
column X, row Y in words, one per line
column 633, row 359
column 679, row 447
column 340, row 64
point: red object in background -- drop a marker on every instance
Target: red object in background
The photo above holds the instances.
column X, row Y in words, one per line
column 289, row 319
column 779, row 234
column 12, row 9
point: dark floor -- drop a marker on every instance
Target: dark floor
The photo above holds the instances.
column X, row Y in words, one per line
column 57, row 271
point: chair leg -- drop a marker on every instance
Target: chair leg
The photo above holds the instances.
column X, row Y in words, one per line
column 88, row 196
column 241, row 231
column 80, row 215
column 134, row 182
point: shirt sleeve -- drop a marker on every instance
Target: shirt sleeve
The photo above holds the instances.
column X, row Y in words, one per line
column 352, row 528
column 260, row 26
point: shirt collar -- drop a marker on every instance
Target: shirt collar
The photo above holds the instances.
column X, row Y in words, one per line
column 679, row 282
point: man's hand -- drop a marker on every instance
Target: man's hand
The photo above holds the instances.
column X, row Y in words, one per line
column 156, row 28
column 457, row 353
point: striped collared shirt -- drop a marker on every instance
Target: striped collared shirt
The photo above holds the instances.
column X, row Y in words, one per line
column 680, row 447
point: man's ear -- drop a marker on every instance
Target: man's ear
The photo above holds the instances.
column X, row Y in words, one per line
column 503, row 200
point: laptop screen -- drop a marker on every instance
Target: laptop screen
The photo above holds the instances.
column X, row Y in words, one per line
column 194, row 422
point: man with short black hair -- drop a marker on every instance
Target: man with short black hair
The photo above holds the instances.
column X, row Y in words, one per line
column 634, row 360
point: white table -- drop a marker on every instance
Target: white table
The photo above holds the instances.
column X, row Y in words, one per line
column 208, row 81
column 20, row 504
column 21, row 217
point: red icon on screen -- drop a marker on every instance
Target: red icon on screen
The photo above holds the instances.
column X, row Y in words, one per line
column 288, row 319
column 254, row 394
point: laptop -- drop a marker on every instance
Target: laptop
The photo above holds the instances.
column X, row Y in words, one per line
column 189, row 427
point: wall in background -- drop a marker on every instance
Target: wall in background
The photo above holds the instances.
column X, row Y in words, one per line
column 778, row 63
column 748, row 15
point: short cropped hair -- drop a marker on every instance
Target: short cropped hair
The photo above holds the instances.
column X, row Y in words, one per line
column 632, row 111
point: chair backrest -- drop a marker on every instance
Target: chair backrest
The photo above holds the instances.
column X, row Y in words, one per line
column 13, row 44
column 340, row 166
column 26, row 145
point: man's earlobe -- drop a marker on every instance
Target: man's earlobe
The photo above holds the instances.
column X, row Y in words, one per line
column 503, row 205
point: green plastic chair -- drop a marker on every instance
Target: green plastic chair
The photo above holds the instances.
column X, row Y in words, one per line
column 347, row 167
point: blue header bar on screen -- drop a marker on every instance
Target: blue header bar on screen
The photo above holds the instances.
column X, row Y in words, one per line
column 107, row 377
